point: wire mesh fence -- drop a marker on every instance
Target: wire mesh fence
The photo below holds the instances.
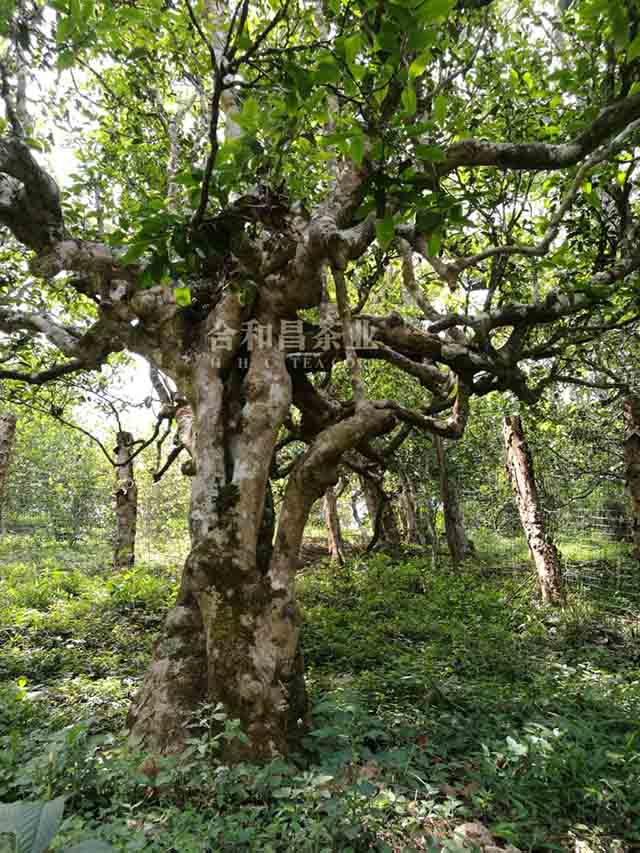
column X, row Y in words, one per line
column 591, row 532
column 48, row 521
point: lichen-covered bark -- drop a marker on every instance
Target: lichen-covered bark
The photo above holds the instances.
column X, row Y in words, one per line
column 541, row 546
column 452, row 511
column 631, row 413
column 7, row 437
column 233, row 635
column 126, row 494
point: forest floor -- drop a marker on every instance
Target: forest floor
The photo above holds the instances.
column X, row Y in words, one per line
column 439, row 698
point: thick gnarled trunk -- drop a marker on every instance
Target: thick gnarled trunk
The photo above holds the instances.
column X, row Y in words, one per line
column 7, row 437
column 126, row 494
column 334, row 530
column 452, row 511
column 541, row 546
column 233, row 635
column 631, row 414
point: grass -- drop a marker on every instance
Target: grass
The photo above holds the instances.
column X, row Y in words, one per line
column 438, row 697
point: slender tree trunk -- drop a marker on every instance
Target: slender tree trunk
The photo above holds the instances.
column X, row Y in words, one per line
column 126, row 503
column 521, row 474
column 355, row 497
column 453, row 517
column 377, row 501
column 414, row 533
column 7, row 438
column 332, row 519
column 631, row 414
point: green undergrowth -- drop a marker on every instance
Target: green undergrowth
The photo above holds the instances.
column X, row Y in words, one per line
column 438, row 698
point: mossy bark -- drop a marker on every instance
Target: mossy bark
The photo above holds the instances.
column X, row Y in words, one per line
column 233, row 635
column 413, row 529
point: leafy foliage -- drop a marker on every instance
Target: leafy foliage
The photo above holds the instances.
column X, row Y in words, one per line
column 438, row 698
column 35, row 824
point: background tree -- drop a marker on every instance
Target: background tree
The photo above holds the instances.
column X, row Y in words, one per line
column 632, row 465
column 543, row 551
column 451, row 507
column 60, row 484
column 126, row 500
column 7, row 435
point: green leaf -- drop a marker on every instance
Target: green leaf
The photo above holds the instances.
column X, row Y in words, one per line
column 356, row 148
column 65, row 59
column 91, row 847
column 389, row 38
column 182, row 295
column 33, row 824
column 352, row 47
column 633, row 51
column 385, row 231
column 88, row 8
column 65, row 28
column 409, row 100
column 619, row 22
column 327, row 72
column 434, row 243
column 432, row 153
column 419, row 64
column 135, row 251
column 421, row 38
column 427, row 221
column 434, row 9
column 248, row 118
column 440, row 109
column 75, row 10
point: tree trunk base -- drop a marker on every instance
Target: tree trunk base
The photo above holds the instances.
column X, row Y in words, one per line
column 251, row 666
column 174, row 685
